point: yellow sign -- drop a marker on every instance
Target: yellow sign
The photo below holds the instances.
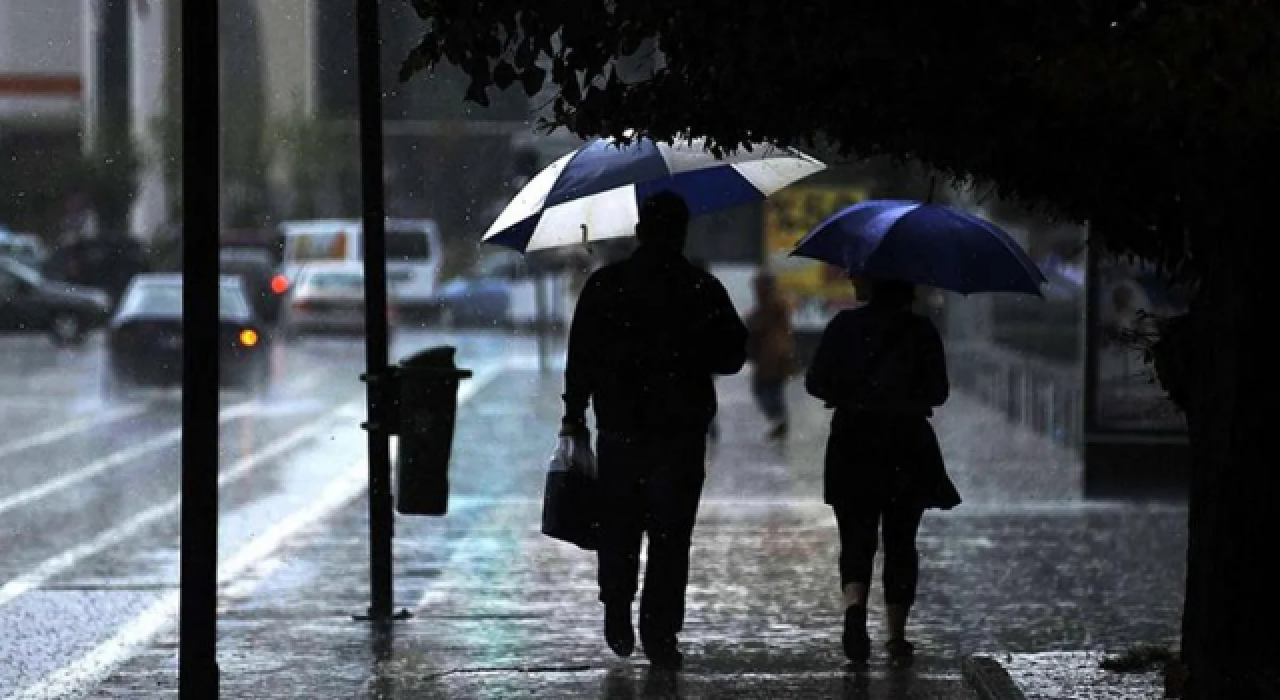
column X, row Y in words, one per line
column 816, row 290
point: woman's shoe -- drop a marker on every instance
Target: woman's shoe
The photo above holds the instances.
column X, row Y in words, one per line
column 857, row 643
column 901, row 652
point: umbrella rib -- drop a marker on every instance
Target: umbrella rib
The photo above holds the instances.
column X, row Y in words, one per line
column 1019, row 255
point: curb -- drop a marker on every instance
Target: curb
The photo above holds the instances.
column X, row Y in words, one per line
column 989, row 679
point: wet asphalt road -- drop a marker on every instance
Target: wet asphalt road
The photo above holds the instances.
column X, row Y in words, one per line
column 1023, row 565
column 89, row 487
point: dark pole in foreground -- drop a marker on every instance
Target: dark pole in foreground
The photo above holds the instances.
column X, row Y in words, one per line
column 198, row 627
column 375, row 294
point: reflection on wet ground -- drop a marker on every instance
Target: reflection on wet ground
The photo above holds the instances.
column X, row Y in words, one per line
column 500, row 610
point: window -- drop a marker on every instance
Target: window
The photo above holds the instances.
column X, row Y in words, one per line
column 231, row 301
column 408, row 245
column 336, row 281
column 256, row 256
column 320, row 246
column 335, row 54
column 165, row 299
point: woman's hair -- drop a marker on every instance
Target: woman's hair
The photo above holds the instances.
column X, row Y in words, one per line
column 888, row 292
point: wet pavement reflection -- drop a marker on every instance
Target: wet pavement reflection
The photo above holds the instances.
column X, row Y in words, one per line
column 500, row 610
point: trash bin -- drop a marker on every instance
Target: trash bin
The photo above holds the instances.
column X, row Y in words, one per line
column 424, row 410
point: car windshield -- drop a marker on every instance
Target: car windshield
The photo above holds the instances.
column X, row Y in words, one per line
column 165, row 299
column 252, row 256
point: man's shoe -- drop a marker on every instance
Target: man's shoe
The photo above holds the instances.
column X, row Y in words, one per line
column 665, row 658
column 618, row 632
column 856, row 642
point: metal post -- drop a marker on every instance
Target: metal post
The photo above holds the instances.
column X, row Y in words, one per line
column 373, row 238
column 198, row 626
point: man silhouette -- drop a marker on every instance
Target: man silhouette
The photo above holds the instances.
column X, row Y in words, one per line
column 648, row 334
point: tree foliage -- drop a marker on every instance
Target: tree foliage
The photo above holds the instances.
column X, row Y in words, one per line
column 35, row 187
column 313, row 152
column 1146, row 118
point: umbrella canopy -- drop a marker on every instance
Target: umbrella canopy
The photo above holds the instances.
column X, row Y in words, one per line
column 594, row 192
column 926, row 244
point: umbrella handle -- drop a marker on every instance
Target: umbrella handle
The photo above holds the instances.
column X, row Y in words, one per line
column 586, row 240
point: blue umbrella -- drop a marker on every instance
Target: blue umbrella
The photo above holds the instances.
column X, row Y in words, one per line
column 926, row 244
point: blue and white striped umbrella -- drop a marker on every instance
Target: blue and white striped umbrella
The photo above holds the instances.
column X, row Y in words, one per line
column 593, row 193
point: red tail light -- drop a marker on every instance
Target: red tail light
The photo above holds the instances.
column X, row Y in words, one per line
column 279, row 284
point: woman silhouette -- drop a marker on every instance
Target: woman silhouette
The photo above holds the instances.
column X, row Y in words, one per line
column 882, row 368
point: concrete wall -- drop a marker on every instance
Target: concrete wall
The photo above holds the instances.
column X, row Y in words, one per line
column 40, row 41
column 42, row 37
column 288, row 47
column 149, row 59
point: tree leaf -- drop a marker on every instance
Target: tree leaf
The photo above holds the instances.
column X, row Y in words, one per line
column 533, row 78
column 477, row 93
column 526, row 53
column 503, row 75
column 1046, row 99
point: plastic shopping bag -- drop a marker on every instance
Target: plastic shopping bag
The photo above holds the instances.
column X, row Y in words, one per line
column 570, row 504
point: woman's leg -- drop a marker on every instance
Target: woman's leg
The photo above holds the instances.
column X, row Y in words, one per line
column 858, row 529
column 771, row 397
column 901, row 571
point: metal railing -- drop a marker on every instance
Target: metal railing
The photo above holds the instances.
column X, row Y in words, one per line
column 1042, row 396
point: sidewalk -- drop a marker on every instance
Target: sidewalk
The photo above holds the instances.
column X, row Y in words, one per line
column 502, row 611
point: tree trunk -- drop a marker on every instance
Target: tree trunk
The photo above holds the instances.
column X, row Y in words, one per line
column 1232, row 615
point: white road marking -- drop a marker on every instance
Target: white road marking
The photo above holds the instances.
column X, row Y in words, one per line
column 116, row 459
column 90, row 669
column 69, row 429
column 51, row 567
column 79, row 676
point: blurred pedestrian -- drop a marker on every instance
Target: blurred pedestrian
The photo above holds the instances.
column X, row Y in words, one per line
column 882, row 368
column 771, row 350
column 648, row 333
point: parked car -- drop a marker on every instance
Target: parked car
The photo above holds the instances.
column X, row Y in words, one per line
column 106, row 262
column 31, row 303
column 502, row 290
column 144, row 338
column 414, row 255
column 326, row 298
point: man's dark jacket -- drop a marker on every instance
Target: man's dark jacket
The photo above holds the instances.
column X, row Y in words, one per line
column 647, row 336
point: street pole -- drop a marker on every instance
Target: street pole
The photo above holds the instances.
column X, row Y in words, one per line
column 198, row 625
column 375, row 293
